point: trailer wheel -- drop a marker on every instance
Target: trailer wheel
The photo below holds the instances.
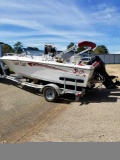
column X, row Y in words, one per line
column 50, row 94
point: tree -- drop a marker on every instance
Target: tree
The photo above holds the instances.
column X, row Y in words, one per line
column 18, row 47
column 70, row 45
column 101, row 49
column 80, row 49
column 6, row 48
column 35, row 48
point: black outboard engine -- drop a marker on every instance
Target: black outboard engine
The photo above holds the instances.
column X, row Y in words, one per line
column 100, row 72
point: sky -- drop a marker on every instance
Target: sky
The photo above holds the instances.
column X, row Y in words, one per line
column 36, row 22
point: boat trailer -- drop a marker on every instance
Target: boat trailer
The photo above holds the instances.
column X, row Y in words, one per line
column 51, row 92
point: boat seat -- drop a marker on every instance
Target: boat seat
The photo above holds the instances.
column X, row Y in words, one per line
column 75, row 59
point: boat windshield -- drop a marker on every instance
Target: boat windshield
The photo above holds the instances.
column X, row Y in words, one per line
column 32, row 52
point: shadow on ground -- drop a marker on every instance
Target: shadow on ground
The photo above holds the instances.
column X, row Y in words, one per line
column 101, row 95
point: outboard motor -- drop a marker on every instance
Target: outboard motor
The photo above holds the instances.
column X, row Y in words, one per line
column 100, row 72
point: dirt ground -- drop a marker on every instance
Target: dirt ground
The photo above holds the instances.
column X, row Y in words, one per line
column 96, row 118
column 113, row 69
column 27, row 117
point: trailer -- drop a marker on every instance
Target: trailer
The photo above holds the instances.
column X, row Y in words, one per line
column 50, row 91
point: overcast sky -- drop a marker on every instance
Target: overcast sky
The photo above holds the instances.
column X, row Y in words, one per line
column 36, row 22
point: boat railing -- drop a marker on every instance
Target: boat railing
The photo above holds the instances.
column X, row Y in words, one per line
column 88, row 49
column 73, row 48
column 75, row 57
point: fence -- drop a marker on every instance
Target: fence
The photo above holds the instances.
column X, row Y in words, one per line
column 109, row 58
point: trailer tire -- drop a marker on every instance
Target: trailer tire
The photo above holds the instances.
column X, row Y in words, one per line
column 50, row 94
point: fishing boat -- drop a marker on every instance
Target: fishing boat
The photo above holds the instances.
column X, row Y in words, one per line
column 49, row 68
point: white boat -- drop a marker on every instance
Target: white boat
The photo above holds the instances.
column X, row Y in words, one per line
column 48, row 67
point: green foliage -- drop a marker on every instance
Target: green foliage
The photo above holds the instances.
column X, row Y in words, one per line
column 100, row 50
column 18, row 47
column 80, row 49
column 70, row 45
column 6, row 49
column 35, row 48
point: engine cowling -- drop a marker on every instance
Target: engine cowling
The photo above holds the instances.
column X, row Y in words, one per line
column 101, row 73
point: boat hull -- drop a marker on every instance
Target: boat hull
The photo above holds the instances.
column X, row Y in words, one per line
column 50, row 71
